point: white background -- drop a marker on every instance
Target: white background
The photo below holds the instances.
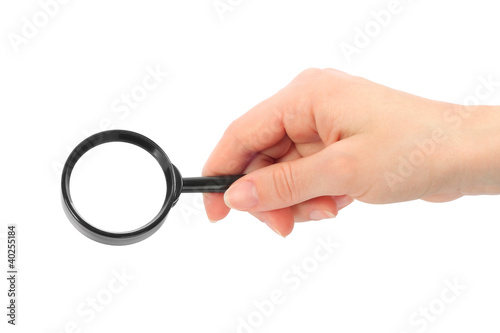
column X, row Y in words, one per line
column 193, row 276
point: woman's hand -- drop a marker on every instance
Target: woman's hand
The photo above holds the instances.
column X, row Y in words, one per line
column 329, row 137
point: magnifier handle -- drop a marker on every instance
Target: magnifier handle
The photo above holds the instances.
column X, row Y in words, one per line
column 217, row 184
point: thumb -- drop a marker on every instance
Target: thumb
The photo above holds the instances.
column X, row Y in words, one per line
column 285, row 184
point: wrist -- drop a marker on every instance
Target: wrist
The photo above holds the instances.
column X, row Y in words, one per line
column 478, row 147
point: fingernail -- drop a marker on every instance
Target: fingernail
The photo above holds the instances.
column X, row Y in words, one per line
column 213, row 221
column 242, row 196
column 273, row 228
column 343, row 201
column 317, row 215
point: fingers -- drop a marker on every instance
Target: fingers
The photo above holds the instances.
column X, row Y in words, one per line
column 214, row 206
column 255, row 131
column 306, row 188
column 282, row 220
column 289, row 183
column 290, row 174
column 320, row 208
column 264, row 126
column 260, row 136
column 214, row 203
column 343, row 201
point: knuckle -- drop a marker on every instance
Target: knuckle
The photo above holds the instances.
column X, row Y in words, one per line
column 309, row 74
column 284, row 182
column 233, row 132
column 305, row 87
column 231, row 128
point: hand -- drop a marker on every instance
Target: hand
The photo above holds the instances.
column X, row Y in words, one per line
column 329, row 137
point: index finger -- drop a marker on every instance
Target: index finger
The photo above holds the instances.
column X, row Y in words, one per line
column 264, row 126
column 256, row 130
column 288, row 112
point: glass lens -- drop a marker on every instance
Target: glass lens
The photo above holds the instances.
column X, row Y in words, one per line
column 117, row 187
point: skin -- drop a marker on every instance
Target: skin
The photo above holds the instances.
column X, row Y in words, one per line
column 329, row 138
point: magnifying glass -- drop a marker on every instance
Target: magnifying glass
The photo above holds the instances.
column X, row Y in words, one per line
column 175, row 185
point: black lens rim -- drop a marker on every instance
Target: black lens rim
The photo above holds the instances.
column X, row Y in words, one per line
column 172, row 177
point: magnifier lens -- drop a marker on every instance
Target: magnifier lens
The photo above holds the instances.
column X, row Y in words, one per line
column 118, row 187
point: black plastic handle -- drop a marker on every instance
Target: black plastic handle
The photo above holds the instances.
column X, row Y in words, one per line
column 217, row 184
